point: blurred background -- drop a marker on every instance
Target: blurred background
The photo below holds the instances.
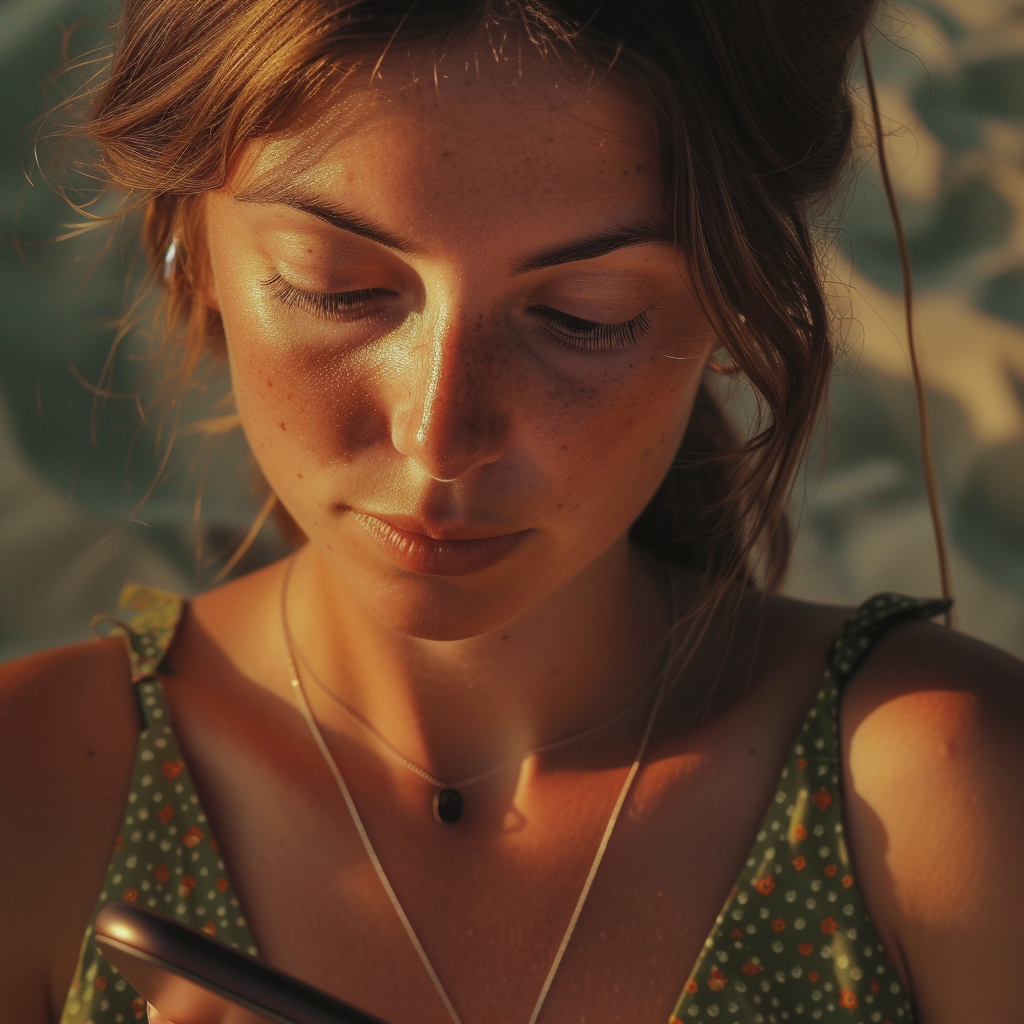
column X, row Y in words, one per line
column 79, row 452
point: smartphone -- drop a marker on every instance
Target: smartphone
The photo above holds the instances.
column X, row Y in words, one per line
column 192, row 978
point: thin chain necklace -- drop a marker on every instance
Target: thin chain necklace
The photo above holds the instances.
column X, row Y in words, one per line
column 448, row 802
column 357, row 821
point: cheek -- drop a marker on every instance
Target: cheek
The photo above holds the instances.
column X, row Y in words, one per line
column 302, row 406
column 286, row 388
column 614, row 441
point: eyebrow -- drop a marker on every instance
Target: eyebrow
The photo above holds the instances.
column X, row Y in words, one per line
column 641, row 232
column 317, row 207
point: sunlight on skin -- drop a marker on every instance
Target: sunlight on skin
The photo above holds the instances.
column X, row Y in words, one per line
column 452, row 375
column 512, row 379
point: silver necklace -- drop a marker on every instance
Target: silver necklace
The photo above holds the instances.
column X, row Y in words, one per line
column 448, row 802
column 364, row 837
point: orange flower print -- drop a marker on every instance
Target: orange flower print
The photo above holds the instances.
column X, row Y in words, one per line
column 101, row 983
column 802, row 763
column 805, row 948
column 138, row 1007
column 799, row 862
column 736, row 934
column 162, row 873
column 214, row 846
column 172, row 769
column 875, row 986
column 750, row 969
column 829, row 925
column 765, row 885
column 717, row 981
column 778, row 924
column 192, row 838
column 166, row 813
column 800, row 832
column 691, row 986
column 118, row 843
column 847, row 881
column 210, row 928
column 186, row 885
column 822, row 799
column 847, row 1000
column 831, row 870
column 812, row 976
column 130, row 895
column 222, row 885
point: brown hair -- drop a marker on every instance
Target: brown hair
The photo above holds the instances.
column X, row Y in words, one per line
column 753, row 108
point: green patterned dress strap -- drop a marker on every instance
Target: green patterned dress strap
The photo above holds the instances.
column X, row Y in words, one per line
column 870, row 622
column 164, row 856
column 794, row 941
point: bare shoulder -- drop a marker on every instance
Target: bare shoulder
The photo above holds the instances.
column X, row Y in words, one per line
column 933, row 741
column 67, row 730
column 58, row 710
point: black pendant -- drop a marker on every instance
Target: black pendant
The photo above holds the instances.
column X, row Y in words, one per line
column 447, row 806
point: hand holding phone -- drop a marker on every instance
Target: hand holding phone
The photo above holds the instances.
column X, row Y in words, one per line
column 191, row 978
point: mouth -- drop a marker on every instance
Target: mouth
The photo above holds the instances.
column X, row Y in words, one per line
column 459, row 551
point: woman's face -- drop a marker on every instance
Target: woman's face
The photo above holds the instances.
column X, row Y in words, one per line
column 462, row 344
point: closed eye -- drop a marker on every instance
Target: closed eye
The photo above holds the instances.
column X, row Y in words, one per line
column 592, row 335
column 326, row 305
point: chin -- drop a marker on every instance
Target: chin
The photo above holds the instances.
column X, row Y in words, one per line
column 433, row 608
column 438, row 607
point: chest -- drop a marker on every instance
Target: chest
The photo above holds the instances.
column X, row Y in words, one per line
column 489, row 899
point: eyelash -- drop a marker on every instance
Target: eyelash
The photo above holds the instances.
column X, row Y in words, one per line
column 590, row 335
column 572, row 331
column 327, row 305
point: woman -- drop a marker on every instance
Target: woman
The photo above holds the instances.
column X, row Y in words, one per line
column 470, row 264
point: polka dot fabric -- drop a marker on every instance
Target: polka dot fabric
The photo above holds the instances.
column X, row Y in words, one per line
column 794, row 941
column 165, row 856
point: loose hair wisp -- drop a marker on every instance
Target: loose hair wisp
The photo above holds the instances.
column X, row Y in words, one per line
column 754, row 112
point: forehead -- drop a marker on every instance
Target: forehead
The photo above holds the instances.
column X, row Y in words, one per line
column 474, row 135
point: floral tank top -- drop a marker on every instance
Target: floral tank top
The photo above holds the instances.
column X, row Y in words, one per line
column 793, row 942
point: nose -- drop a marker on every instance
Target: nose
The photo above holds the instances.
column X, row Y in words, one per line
column 453, row 413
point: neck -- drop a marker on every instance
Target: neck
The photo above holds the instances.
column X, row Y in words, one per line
column 458, row 707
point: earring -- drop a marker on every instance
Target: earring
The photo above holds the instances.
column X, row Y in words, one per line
column 723, row 369
column 170, row 258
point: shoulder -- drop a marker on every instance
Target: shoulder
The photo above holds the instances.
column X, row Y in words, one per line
column 929, row 702
column 67, row 729
column 54, row 701
column 933, row 740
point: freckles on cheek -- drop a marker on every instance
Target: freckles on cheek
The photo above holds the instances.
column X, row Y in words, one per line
column 614, row 439
column 265, row 392
column 309, row 404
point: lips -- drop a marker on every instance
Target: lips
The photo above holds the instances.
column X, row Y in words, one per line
column 437, row 551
